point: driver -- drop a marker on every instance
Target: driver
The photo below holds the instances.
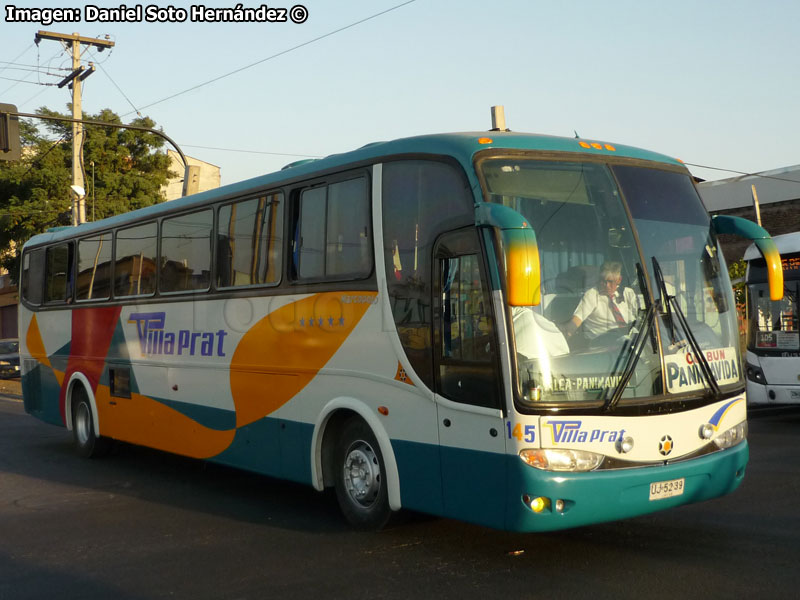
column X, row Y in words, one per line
column 606, row 306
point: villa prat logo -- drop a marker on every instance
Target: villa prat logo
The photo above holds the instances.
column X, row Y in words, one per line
column 156, row 339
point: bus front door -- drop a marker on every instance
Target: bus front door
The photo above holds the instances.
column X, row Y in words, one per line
column 471, row 440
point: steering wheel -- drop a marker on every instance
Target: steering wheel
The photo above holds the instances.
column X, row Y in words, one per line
column 612, row 338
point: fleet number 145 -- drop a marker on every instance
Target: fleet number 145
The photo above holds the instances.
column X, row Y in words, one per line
column 528, row 434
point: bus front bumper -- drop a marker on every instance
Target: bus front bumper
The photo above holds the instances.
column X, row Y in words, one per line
column 576, row 499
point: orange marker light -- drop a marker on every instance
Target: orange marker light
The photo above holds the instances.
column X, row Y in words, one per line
column 597, row 146
column 383, row 410
column 485, row 140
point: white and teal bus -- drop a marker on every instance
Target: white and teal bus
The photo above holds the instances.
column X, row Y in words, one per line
column 773, row 334
column 398, row 323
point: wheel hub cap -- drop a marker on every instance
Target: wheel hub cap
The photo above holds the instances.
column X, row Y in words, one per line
column 362, row 474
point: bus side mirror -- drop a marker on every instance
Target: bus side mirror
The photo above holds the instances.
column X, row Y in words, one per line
column 759, row 236
column 523, row 274
column 10, row 147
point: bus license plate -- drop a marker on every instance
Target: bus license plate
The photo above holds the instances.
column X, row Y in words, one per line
column 666, row 489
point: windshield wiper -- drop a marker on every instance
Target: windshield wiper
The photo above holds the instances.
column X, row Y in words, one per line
column 647, row 301
column 637, row 345
column 670, row 303
column 664, row 300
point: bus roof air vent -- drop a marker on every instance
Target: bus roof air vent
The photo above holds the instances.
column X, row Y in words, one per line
column 297, row 163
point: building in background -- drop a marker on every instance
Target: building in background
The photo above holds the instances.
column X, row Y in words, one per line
column 202, row 176
column 778, row 196
column 8, row 307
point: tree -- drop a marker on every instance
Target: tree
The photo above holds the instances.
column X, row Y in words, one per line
column 129, row 170
column 737, row 271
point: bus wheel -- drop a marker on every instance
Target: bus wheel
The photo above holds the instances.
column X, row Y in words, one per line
column 360, row 480
column 87, row 443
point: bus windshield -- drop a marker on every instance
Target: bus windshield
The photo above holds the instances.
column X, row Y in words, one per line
column 773, row 325
column 634, row 291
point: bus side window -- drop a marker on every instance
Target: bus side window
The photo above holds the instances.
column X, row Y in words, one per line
column 32, row 276
column 58, row 283
column 94, row 268
column 135, row 254
column 421, row 199
column 186, row 252
column 348, row 250
column 332, row 234
column 249, row 242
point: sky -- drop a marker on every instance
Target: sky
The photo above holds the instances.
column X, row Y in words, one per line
column 713, row 83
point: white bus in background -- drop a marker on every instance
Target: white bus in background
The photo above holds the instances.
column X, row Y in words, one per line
column 773, row 331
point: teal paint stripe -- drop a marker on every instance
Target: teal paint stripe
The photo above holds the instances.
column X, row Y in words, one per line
column 274, row 447
column 255, row 448
column 60, row 358
column 419, row 468
column 474, row 486
column 40, row 393
column 218, row 419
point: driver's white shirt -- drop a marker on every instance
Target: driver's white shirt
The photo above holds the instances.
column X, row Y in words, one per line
column 596, row 315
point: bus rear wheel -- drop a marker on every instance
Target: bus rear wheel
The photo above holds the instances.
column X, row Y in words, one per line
column 360, row 478
column 86, row 442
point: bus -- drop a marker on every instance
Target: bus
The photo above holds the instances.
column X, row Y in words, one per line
column 773, row 334
column 394, row 323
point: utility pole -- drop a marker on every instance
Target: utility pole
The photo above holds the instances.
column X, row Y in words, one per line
column 73, row 42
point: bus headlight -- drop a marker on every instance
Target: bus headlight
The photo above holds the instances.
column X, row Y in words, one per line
column 552, row 459
column 732, row 436
column 755, row 374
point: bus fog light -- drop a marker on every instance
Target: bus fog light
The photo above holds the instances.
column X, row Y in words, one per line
column 559, row 505
column 733, row 436
column 557, row 459
column 625, row 445
column 706, row 431
column 538, row 504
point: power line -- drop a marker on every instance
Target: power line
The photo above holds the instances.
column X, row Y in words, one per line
column 281, row 53
column 18, row 81
column 18, row 55
column 761, row 175
column 24, row 67
column 36, row 95
column 252, row 151
column 119, row 89
column 24, row 81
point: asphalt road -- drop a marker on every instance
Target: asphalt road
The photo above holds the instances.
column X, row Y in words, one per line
column 142, row 524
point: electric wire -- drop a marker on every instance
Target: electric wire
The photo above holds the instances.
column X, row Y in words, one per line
column 35, row 69
column 276, row 55
column 760, row 175
column 252, row 151
column 18, row 81
column 25, row 81
column 119, row 89
column 17, row 56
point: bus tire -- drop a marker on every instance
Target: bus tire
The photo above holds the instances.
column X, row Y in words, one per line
column 87, row 444
column 360, row 477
